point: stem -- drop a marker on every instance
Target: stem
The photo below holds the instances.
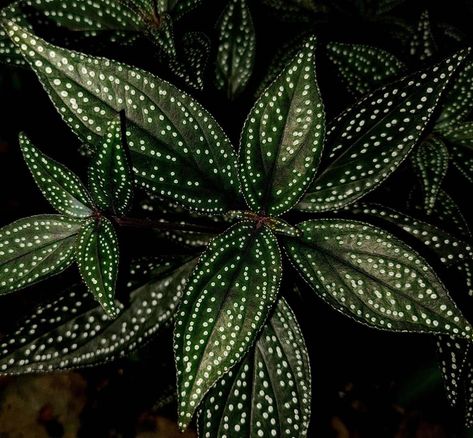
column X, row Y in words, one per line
column 157, row 18
column 158, row 225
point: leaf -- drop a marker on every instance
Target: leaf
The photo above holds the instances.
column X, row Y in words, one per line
column 374, row 277
column 385, row 6
column 34, row 248
column 460, row 139
column 458, row 102
column 225, row 304
column 422, row 44
column 72, row 331
column 110, row 176
column 452, row 353
column 449, row 216
column 374, row 136
column 177, row 149
column 282, row 139
column 236, row 48
column 163, row 36
column 179, row 8
column 97, row 258
column 364, row 68
column 9, row 53
column 430, row 161
column 268, row 393
column 61, row 187
column 469, row 394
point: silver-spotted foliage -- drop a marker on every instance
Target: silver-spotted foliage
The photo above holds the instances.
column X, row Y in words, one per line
column 233, row 228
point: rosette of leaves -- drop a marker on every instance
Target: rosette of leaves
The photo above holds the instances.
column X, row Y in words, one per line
column 35, row 248
column 448, row 145
column 228, row 318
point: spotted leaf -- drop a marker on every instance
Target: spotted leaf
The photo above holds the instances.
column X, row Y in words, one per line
column 422, row 44
column 34, row 248
column 364, row 68
column 430, row 161
column 236, row 48
column 177, row 8
column 268, row 393
column 452, row 353
column 71, row 331
column 62, row 188
column 369, row 140
column 282, row 139
column 97, row 258
column 458, row 102
column 177, row 149
column 370, row 275
column 110, row 176
column 460, row 140
column 9, row 53
column 225, row 304
column 449, row 217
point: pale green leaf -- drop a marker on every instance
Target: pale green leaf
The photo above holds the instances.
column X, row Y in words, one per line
column 282, row 140
column 34, row 248
column 177, row 149
column 61, row 187
column 236, row 48
column 226, row 302
column 268, row 393
column 368, row 274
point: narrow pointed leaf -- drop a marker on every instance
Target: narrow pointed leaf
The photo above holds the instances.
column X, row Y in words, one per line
column 449, row 216
column 61, row 187
column 458, row 102
column 364, row 68
column 236, row 48
column 373, row 137
column 225, row 304
column 97, row 258
column 177, row 149
column 422, row 44
column 163, row 37
column 460, row 140
column 430, row 161
column 468, row 392
column 452, row 353
column 9, row 53
column 73, row 331
column 268, row 393
column 110, row 175
column 34, row 248
column 282, row 139
column 372, row 276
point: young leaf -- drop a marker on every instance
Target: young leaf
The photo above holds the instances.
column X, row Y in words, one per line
column 268, row 393
column 373, row 137
column 452, row 353
column 110, row 176
column 97, row 258
column 458, row 102
column 282, row 139
column 61, row 187
column 72, row 331
column 374, row 277
column 236, row 48
column 34, row 248
column 460, row 139
column 163, row 36
column 177, row 148
column 423, row 44
column 364, row 68
column 225, row 304
column 430, row 160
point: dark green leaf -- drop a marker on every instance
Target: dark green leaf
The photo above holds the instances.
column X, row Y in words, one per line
column 236, row 48
column 97, row 258
column 72, row 331
column 374, row 277
column 268, row 393
column 460, row 139
column 163, row 36
column 110, row 176
column 282, row 139
column 458, row 102
column 35, row 248
column 178, row 150
column 364, row 68
column 9, row 53
column 449, row 216
column 423, row 45
column 430, row 161
column 177, row 8
column 225, row 304
column 61, row 187
column 373, row 137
